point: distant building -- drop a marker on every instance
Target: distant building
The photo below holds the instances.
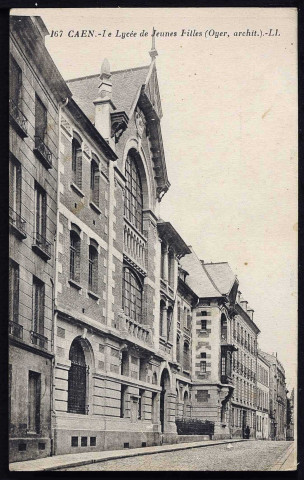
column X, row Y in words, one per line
column 36, row 97
column 224, row 354
column 262, row 414
column 290, row 417
column 277, row 397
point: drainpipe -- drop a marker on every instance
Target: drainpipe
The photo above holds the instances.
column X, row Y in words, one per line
column 55, row 283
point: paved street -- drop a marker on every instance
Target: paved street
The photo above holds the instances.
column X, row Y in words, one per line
column 253, row 455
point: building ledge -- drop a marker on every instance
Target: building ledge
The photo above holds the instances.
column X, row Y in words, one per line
column 77, row 190
column 93, row 295
column 74, row 284
column 95, row 208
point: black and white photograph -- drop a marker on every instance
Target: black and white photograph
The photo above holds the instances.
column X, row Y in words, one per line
column 153, row 176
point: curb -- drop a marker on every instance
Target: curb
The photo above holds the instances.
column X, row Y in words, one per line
column 136, row 453
column 282, row 459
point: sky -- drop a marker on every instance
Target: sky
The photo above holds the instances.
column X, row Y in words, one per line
column 229, row 129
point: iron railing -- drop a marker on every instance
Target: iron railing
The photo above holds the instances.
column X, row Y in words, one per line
column 39, row 339
column 19, row 119
column 15, row 330
column 43, row 152
column 42, row 244
column 17, row 222
column 193, row 426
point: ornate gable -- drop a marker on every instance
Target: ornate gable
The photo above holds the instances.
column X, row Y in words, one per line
column 149, row 102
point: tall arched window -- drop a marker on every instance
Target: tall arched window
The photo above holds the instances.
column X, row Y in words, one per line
column 132, row 295
column 178, row 353
column 223, row 327
column 77, row 162
column 186, row 357
column 133, row 193
column 77, row 379
column 162, row 319
column 74, row 256
column 93, row 269
column 94, row 182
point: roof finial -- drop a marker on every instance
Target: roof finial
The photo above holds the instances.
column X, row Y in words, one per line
column 105, row 69
column 153, row 52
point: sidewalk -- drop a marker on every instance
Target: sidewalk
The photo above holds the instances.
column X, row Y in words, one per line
column 287, row 461
column 75, row 460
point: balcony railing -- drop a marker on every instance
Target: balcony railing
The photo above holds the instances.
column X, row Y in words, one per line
column 18, row 119
column 43, row 152
column 39, row 340
column 135, row 329
column 42, row 246
column 135, row 246
column 18, row 223
column 16, row 330
column 226, row 379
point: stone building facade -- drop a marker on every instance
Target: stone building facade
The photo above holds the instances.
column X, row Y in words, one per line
column 223, row 388
column 35, row 100
column 262, row 399
column 277, row 397
column 118, row 330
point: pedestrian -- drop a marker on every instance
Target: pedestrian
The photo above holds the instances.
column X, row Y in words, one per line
column 247, row 432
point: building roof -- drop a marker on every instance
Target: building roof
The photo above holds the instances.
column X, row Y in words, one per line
column 125, row 87
column 198, row 280
column 221, row 275
column 272, row 359
column 168, row 232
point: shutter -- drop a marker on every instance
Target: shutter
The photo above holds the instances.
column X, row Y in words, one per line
column 15, row 82
column 96, row 188
column 43, row 215
column 37, row 402
column 79, row 168
column 41, row 309
column 36, row 307
column 15, row 288
column 11, row 293
column 40, row 119
column 12, row 183
column 38, row 213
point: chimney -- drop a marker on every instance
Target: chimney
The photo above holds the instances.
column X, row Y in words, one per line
column 250, row 312
column 239, row 296
column 244, row 304
column 104, row 105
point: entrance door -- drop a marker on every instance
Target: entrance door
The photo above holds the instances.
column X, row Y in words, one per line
column 77, row 380
column 165, row 384
column 244, row 422
column 162, row 409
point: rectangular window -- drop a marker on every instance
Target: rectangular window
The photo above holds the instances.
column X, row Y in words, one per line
column 203, row 367
column 34, row 388
column 94, row 184
column 76, row 164
column 15, row 82
column 40, row 119
column 38, row 306
column 202, row 396
column 140, row 404
column 40, row 214
column 123, row 396
column 223, row 365
column 13, row 292
column 15, row 186
column 204, row 324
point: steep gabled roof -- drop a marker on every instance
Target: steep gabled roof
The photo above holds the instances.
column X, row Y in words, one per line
column 198, row 280
column 221, row 275
column 126, row 84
